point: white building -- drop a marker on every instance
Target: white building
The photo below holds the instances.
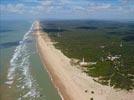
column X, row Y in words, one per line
column 83, row 63
column 112, row 58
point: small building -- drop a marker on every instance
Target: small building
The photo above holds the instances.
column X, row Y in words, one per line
column 92, row 63
column 83, row 63
column 112, row 58
column 121, row 45
column 102, row 47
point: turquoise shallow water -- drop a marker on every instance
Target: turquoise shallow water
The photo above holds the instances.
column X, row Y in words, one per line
column 22, row 74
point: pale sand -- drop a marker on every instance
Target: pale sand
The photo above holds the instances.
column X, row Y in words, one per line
column 69, row 80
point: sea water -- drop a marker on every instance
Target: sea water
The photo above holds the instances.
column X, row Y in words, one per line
column 22, row 76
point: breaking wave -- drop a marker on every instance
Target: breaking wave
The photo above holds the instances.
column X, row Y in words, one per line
column 19, row 72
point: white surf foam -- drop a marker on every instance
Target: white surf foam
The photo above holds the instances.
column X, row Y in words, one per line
column 20, row 65
column 9, row 82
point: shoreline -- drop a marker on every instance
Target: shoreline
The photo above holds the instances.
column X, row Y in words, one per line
column 45, row 68
column 70, row 81
column 53, row 77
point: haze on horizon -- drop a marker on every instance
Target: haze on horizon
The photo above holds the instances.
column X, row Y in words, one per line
column 67, row 9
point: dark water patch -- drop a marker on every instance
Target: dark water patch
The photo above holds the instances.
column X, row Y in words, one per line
column 121, row 33
column 108, row 24
column 129, row 33
column 114, row 33
column 87, row 27
column 54, row 30
column 131, row 30
column 131, row 25
column 112, row 27
column 128, row 38
column 11, row 44
column 4, row 30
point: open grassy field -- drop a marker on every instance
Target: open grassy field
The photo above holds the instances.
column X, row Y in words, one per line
column 96, row 41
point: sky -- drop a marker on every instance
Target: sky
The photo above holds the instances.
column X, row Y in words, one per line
column 67, row 9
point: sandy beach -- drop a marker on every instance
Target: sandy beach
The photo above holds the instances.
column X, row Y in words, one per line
column 72, row 83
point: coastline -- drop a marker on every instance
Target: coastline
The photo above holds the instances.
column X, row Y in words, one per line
column 69, row 80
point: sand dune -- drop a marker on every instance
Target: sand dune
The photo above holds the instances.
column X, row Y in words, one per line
column 72, row 83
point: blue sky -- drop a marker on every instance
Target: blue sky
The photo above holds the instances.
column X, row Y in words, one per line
column 67, row 9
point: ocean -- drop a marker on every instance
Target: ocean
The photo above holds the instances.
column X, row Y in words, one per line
column 22, row 76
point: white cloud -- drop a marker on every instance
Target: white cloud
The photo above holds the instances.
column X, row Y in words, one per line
column 95, row 7
column 46, row 3
column 79, row 8
column 126, row 1
column 60, row 7
column 65, row 1
column 20, row 8
column 17, row 8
